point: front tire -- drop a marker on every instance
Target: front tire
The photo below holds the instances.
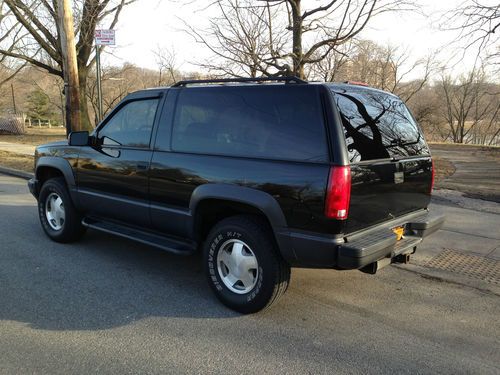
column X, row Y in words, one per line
column 58, row 216
column 243, row 265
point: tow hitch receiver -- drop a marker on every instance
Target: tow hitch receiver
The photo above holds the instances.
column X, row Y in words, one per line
column 401, row 258
column 372, row 268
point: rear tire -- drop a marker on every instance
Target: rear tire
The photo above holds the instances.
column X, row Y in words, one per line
column 243, row 264
column 58, row 216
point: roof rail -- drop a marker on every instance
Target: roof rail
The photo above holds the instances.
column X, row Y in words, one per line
column 357, row 83
column 287, row 79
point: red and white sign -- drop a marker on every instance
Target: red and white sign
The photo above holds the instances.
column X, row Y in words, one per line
column 105, row 37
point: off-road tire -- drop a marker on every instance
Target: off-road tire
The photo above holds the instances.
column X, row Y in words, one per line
column 273, row 272
column 72, row 229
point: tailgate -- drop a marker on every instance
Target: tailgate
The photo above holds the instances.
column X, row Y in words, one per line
column 391, row 166
column 385, row 190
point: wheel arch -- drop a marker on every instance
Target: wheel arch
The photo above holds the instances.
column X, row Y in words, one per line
column 211, row 203
column 48, row 167
column 53, row 166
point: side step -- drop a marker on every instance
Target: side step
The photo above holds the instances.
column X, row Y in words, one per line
column 169, row 244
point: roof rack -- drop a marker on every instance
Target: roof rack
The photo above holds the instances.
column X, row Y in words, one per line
column 287, row 79
column 357, row 83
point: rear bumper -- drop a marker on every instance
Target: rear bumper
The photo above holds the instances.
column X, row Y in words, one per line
column 362, row 248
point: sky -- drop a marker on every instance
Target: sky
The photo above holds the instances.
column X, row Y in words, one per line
column 148, row 24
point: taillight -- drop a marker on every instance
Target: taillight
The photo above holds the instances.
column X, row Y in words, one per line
column 432, row 177
column 338, row 193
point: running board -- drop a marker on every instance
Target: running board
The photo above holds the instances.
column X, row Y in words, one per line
column 169, row 244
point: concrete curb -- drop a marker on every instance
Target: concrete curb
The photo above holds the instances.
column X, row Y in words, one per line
column 16, row 173
column 450, row 277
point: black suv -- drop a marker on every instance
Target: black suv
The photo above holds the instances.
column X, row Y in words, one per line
column 259, row 174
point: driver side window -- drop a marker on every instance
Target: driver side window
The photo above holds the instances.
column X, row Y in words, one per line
column 131, row 126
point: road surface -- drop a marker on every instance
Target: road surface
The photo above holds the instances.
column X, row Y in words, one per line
column 108, row 305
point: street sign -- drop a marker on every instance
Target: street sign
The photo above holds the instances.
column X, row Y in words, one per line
column 105, row 37
column 102, row 38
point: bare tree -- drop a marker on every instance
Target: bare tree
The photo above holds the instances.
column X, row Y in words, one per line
column 329, row 25
column 333, row 67
column 166, row 61
column 9, row 70
column 31, row 33
column 117, row 82
column 241, row 38
column 8, row 67
column 478, row 23
column 279, row 37
column 468, row 105
column 385, row 67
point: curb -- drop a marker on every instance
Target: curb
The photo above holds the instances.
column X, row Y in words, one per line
column 16, row 173
column 450, row 277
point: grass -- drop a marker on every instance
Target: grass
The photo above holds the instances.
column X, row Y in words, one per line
column 16, row 161
column 494, row 147
column 36, row 136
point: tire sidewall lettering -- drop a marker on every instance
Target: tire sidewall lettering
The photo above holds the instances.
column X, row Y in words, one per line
column 41, row 209
column 214, row 274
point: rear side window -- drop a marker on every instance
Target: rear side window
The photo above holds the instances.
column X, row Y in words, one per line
column 378, row 126
column 280, row 122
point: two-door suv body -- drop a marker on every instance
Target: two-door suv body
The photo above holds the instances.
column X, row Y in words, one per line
column 259, row 174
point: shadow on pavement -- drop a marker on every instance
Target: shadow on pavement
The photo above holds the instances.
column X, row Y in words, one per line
column 101, row 282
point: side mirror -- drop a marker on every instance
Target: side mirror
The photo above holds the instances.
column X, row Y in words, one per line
column 78, row 138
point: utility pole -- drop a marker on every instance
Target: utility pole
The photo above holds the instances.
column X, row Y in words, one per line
column 13, row 98
column 99, row 87
column 70, row 67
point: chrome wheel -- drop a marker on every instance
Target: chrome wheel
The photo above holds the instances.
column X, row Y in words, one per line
column 54, row 211
column 237, row 266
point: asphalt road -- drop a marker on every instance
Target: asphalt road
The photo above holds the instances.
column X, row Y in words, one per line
column 477, row 170
column 107, row 305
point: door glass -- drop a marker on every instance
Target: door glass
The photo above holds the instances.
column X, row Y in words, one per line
column 131, row 126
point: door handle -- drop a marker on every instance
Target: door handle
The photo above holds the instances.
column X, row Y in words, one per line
column 142, row 166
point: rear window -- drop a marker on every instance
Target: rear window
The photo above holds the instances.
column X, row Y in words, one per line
column 276, row 122
column 378, row 126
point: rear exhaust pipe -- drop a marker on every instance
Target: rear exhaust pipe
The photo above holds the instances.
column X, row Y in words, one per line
column 372, row 268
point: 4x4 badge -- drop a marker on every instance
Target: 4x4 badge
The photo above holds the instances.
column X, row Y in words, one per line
column 399, row 177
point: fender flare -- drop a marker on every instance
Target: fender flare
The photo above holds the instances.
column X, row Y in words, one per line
column 240, row 194
column 60, row 164
column 261, row 200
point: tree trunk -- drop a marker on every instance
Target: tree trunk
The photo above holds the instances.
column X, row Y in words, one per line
column 71, row 81
column 85, row 123
column 298, row 64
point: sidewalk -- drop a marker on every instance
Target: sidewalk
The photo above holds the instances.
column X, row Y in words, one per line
column 467, row 248
column 18, row 148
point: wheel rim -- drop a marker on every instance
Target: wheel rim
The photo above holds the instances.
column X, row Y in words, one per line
column 237, row 266
column 54, row 211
